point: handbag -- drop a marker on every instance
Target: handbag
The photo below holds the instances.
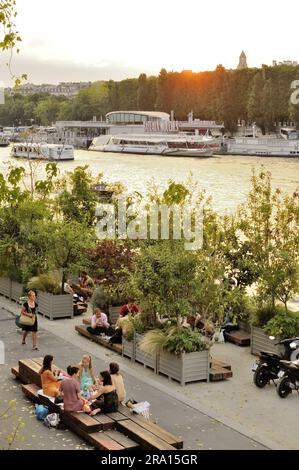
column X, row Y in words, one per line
column 25, row 320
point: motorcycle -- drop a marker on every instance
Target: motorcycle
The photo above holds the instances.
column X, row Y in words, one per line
column 288, row 378
column 268, row 365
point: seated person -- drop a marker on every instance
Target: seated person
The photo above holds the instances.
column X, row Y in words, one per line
column 70, row 389
column 129, row 308
column 50, row 382
column 85, row 286
column 105, row 397
column 117, row 381
column 99, row 323
column 86, row 374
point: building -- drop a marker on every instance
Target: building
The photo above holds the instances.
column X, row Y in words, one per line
column 62, row 89
column 242, row 61
column 135, row 117
column 285, row 62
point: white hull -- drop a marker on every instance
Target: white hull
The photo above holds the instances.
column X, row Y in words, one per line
column 264, row 147
column 153, row 150
column 48, row 152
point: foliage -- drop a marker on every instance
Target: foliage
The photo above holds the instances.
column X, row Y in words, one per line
column 264, row 313
column 174, row 340
column 283, row 325
column 131, row 325
column 48, row 282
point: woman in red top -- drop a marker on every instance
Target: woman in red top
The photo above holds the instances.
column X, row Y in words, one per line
column 129, row 308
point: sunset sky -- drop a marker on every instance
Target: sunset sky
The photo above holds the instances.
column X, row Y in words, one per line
column 94, row 39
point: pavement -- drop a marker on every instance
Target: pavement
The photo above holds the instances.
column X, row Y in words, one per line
column 230, row 414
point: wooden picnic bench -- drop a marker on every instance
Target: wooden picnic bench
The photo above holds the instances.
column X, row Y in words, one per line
column 114, row 431
column 238, row 337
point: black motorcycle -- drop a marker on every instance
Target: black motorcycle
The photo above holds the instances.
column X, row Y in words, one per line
column 289, row 378
column 268, row 365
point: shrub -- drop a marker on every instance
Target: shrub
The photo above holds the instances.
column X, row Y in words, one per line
column 283, row 325
column 174, row 340
column 48, row 282
column 265, row 313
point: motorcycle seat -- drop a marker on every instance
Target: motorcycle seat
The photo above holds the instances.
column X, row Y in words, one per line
column 270, row 354
column 290, row 365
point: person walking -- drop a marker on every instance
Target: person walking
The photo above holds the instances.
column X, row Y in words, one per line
column 29, row 309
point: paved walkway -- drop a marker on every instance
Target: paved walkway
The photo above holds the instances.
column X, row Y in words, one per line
column 226, row 415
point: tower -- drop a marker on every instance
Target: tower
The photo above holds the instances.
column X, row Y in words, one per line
column 242, row 61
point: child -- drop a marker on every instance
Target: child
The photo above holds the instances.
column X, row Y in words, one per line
column 86, row 376
column 117, row 381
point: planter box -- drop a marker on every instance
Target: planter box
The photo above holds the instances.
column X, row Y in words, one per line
column 260, row 342
column 55, row 306
column 147, row 359
column 128, row 349
column 5, row 286
column 244, row 326
column 114, row 314
column 16, row 291
column 188, row 367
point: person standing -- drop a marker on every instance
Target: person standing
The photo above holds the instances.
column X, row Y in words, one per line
column 29, row 309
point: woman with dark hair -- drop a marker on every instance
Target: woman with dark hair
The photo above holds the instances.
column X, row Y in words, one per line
column 118, row 381
column 29, row 309
column 70, row 389
column 50, row 382
column 105, row 398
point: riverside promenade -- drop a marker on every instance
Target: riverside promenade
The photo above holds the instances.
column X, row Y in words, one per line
column 222, row 415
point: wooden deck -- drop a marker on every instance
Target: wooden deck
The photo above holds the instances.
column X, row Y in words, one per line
column 114, row 431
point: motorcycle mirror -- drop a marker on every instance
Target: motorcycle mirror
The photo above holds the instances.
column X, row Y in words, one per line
column 293, row 345
column 272, row 338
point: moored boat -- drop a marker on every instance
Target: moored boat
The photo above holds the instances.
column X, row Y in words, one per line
column 43, row 151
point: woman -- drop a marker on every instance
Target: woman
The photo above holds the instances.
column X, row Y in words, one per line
column 29, row 309
column 70, row 389
column 50, row 383
column 117, row 381
column 106, row 399
column 86, row 374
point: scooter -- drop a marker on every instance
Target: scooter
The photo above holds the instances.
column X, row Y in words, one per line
column 268, row 365
column 288, row 378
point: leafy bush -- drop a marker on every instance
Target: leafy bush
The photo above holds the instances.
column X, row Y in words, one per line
column 265, row 313
column 100, row 298
column 174, row 340
column 131, row 325
column 48, row 282
column 283, row 325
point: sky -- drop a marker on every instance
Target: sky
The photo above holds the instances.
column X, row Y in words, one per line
column 81, row 40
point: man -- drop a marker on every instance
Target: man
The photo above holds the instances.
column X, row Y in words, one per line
column 85, row 286
column 129, row 308
column 99, row 323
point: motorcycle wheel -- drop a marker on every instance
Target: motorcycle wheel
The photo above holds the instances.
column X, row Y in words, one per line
column 261, row 377
column 283, row 387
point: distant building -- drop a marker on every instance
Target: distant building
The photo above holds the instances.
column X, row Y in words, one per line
column 242, row 61
column 62, row 89
column 285, row 62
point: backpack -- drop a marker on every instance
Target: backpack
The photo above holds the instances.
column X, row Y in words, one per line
column 41, row 412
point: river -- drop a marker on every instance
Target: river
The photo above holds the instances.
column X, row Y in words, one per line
column 226, row 178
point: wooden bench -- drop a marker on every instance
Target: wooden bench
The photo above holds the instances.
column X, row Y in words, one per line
column 114, row 431
column 81, row 329
column 238, row 337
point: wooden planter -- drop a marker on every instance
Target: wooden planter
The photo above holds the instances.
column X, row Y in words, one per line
column 16, row 291
column 260, row 342
column 5, row 286
column 128, row 349
column 55, row 306
column 188, row 367
column 147, row 359
column 114, row 314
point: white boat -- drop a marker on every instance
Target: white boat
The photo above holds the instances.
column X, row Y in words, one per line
column 43, row 151
column 156, row 144
column 286, row 144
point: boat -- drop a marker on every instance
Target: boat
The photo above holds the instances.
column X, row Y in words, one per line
column 284, row 144
column 173, row 145
column 43, row 151
column 4, row 142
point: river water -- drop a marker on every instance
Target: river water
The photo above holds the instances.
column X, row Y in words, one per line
column 226, row 178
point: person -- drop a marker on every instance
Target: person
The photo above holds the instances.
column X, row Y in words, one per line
column 105, row 397
column 99, row 323
column 129, row 308
column 86, row 375
column 50, row 382
column 86, row 285
column 72, row 400
column 117, row 381
column 29, row 308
